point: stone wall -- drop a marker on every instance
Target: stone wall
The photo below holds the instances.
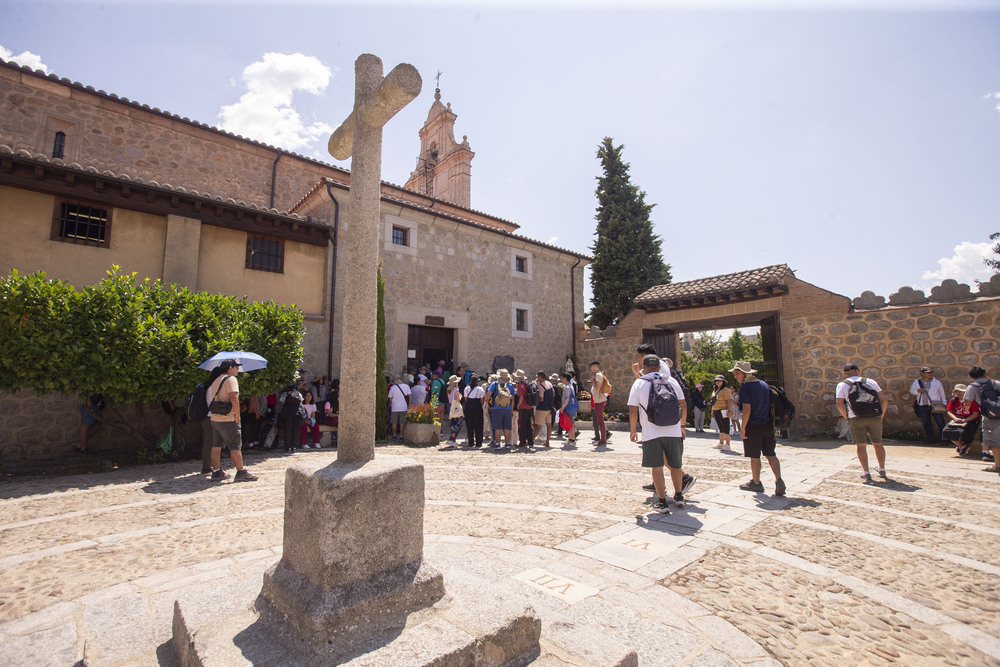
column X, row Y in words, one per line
column 49, row 426
column 890, row 345
column 614, row 348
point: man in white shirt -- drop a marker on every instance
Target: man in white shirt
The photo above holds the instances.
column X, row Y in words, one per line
column 855, row 394
column 659, row 443
column 399, row 398
column 928, row 390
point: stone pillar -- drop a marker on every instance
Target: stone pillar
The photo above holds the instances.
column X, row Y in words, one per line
column 181, row 250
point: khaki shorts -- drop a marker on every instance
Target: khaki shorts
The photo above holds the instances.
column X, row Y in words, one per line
column 543, row 417
column 227, row 434
column 863, row 428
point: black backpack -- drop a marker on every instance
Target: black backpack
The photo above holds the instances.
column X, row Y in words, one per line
column 989, row 398
column 196, row 403
column 863, row 399
column 291, row 405
column 663, row 407
column 531, row 394
column 678, row 375
column 782, row 409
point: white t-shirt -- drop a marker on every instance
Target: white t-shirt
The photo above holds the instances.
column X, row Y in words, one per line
column 843, row 389
column 934, row 391
column 597, row 394
column 398, row 394
column 639, row 396
column 419, row 393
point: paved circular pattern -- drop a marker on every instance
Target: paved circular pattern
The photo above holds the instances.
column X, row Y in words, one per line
column 903, row 570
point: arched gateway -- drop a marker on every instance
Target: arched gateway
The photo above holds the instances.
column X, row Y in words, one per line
column 809, row 333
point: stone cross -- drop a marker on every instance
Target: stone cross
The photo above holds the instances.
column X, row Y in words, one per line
column 376, row 100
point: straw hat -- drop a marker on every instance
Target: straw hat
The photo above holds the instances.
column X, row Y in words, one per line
column 519, row 375
column 504, row 375
column 743, row 367
column 453, row 380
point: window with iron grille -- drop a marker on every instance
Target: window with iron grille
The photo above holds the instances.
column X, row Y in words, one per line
column 400, row 236
column 59, row 145
column 81, row 223
column 265, row 254
column 520, row 319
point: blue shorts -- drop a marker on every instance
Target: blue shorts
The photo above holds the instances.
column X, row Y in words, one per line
column 500, row 421
column 86, row 419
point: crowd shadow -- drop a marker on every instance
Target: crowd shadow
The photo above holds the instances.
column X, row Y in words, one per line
column 891, row 485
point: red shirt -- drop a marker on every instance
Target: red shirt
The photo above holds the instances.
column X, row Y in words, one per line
column 522, row 396
column 957, row 408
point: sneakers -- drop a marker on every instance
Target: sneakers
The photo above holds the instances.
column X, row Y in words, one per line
column 881, row 473
column 688, row 482
column 963, row 449
column 779, row 487
column 726, row 448
column 756, row 487
column 305, row 445
column 866, row 475
column 661, row 506
column 244, row 476
column 219, row 475
column 679, row 500
column 648, row 487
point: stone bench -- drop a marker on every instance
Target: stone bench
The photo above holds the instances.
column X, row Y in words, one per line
column 325, row 438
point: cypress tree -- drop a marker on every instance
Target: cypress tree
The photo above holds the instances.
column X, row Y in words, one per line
column 381, row 390
column 627, row 256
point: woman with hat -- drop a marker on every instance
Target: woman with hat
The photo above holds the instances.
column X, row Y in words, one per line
column 524, row 422
column 474, row 395
column 964, row 421
column 455, row 412
column 721, row 402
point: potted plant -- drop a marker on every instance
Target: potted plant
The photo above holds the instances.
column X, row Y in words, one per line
column 422, row 425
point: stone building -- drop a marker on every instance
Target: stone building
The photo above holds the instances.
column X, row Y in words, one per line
column 808, row 333
column 89, row 179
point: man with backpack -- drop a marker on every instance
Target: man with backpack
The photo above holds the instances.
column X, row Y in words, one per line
column 931, row 403
column 863, row 404
column 656, row 403
column 756, row 427
column 500, row 395
column 986, row 393
column 527, row 398
column 546, row 395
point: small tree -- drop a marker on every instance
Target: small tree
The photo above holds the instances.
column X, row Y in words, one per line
column 134, row 341
column 708, row 345
column 381, row 390
column 994, row 262
column 627, row 257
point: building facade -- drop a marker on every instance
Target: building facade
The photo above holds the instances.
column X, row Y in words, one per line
column 89, row 180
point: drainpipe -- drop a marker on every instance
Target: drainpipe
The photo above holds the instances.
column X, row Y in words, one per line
column 274, row 175
column 333, row 284
column 572, row 303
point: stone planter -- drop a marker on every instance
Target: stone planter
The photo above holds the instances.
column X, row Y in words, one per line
column 422, row 434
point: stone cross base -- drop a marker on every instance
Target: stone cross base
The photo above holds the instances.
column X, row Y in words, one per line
column 351, row 584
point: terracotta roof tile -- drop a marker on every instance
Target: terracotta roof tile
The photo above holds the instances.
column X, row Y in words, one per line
column 729, row 283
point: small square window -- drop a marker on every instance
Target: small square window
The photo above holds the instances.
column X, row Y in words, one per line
column 82, row 223
column 265, row 254
column 520, row 319
column 521, row 264
column 400, row 236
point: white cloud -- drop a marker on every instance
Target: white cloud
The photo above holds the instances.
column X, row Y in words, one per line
column 25, row 58
column 993, row 96
column 552, row 240
column 265, row 112
column 965, row 266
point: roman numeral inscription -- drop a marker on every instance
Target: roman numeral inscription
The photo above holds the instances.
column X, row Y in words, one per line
column 565, row 589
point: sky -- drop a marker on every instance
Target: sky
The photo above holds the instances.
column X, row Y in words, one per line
column 856, row 141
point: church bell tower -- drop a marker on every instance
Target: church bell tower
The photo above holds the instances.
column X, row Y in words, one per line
column 444, row 167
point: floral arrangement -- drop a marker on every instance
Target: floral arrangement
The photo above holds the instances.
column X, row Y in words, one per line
column 583, row 396
column 422, row 414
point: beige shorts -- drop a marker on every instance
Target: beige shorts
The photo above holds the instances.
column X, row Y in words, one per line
column 863, row 428
column 543, row 417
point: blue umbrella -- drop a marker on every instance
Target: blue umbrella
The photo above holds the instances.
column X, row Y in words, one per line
column 249, row 360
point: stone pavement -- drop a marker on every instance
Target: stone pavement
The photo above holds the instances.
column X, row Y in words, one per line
column 902, row 571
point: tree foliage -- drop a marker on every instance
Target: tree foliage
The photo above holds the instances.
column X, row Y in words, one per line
column 994, row 262
column 381, row 389
column 711, row 356
column 627, row 255
column 135, row 341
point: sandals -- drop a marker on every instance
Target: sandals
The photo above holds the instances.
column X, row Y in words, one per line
column 991, row 469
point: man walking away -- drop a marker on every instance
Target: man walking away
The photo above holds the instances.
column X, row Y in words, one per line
column 599, row 390
column 986, row 393
column 929, row 391
column 525, row 410
column 756, row 427
column 226, row 422
column 861, row 402
column 660, row 442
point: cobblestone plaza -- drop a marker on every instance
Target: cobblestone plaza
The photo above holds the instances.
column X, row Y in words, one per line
column 839, row 572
